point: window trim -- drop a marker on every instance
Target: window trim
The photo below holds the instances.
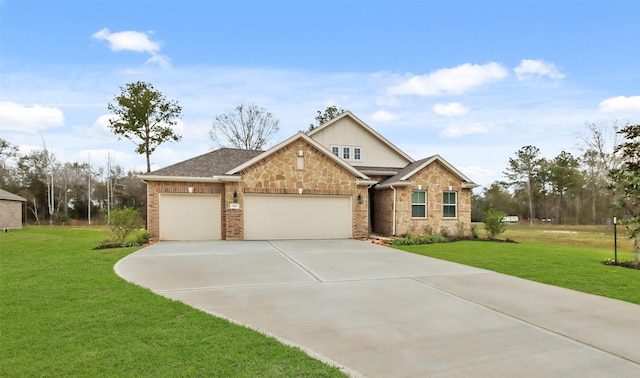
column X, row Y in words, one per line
column 449, row 205
column 357, row 153
column 346, row 153
column 419, row 204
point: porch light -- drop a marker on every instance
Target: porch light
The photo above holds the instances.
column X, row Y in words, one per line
column 360, row 198
column 235, row 196
column 190, row 189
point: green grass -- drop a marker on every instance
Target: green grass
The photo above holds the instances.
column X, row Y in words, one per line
column 567, row 257
column 64, row 312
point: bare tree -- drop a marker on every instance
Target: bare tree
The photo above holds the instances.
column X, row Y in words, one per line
column 246, row 127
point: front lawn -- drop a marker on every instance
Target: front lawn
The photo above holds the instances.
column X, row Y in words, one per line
column 64, row 312
column 562, row 264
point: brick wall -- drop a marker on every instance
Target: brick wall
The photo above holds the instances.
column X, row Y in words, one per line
column 10, row 214
column 155, row 188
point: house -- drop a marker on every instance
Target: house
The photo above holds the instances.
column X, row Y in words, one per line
column 341, row 180
column 10, row 210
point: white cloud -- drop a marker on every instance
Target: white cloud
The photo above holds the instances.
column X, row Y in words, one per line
column 536, row 69
column 455, row 80
column 456, row 130
column 128, row 41
column 383, row 116
column 28, row 119
column 620, row 104
column 134, row 41
column 451, row 109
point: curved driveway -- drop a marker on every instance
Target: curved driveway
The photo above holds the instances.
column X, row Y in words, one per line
column 379, row 312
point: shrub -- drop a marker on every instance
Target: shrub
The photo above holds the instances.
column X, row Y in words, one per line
column 122, row 222
column 494, row 222
column 138, row 237
column 414, row 240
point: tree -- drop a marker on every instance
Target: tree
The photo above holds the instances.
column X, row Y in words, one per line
column 523, row 171
column 8, row 155
column 329, row 113
column 626, row 184
column 494, row 222
column 246, row 127
column 563, row 175
column 145, row 117
column 598, row 158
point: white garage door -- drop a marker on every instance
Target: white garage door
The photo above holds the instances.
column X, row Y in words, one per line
column 189, row 217
column 296, row 217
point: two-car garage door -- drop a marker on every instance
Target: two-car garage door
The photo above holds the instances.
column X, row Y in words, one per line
column 198, row 217
column 296, row 217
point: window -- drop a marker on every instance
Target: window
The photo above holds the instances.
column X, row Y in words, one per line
column 346, row 153
column 335, row 150
column 450, row 205
column 418, row 204
column 356, row 153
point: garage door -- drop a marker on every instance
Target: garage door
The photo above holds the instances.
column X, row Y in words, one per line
column 189, row 217
column 296, row 217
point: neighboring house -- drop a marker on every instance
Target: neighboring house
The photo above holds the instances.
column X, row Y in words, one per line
column 341, row 180
column 10, row 210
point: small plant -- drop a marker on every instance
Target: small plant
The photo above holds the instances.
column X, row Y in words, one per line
column 123, row 222
column 138, row 237
column 444, row 232
column 494, row 222
column 474, row 231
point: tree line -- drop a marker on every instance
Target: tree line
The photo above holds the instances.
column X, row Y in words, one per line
column 58, row 192
column 565, row 189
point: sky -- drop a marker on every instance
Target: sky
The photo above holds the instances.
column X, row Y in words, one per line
column 472, row 81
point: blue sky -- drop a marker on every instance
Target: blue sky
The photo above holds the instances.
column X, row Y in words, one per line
column 471, row 81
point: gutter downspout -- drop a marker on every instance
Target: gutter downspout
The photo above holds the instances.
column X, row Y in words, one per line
column 394, row 210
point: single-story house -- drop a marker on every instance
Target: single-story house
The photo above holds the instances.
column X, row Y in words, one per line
column 10, row 210
column 340, row 180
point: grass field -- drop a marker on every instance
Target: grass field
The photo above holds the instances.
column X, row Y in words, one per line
column 64, row 312
column 567, row 256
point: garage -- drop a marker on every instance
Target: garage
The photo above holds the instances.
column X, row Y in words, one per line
column 297, row 217
column 189, row 217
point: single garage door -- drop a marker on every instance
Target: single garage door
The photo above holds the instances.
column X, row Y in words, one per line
column 296, row 217
column 190, row 217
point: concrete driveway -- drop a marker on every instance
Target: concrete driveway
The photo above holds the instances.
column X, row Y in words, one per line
column 379, row 312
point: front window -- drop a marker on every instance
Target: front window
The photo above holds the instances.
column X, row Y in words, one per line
column 335, row 150
column 419, row 204
column 346, row 153
column 356, row 153
column 450, row 205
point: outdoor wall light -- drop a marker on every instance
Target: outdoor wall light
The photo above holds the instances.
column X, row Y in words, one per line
column 360, row 198
column 190, row 189
column 235, row 196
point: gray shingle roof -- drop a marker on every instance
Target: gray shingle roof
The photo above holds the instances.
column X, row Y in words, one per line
column 214, row 163
column 397, row 177
column 10, row 196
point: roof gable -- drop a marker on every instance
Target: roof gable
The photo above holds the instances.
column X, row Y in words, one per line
column 348, row 130
column 405, row 174
column 300, row 135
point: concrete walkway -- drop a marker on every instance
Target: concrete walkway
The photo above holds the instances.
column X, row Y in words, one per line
column 379, row 312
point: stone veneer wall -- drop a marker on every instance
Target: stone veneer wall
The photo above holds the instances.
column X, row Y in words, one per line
column 435, row 179
column 154, row 188
column 278, row 174
column 10, row 214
